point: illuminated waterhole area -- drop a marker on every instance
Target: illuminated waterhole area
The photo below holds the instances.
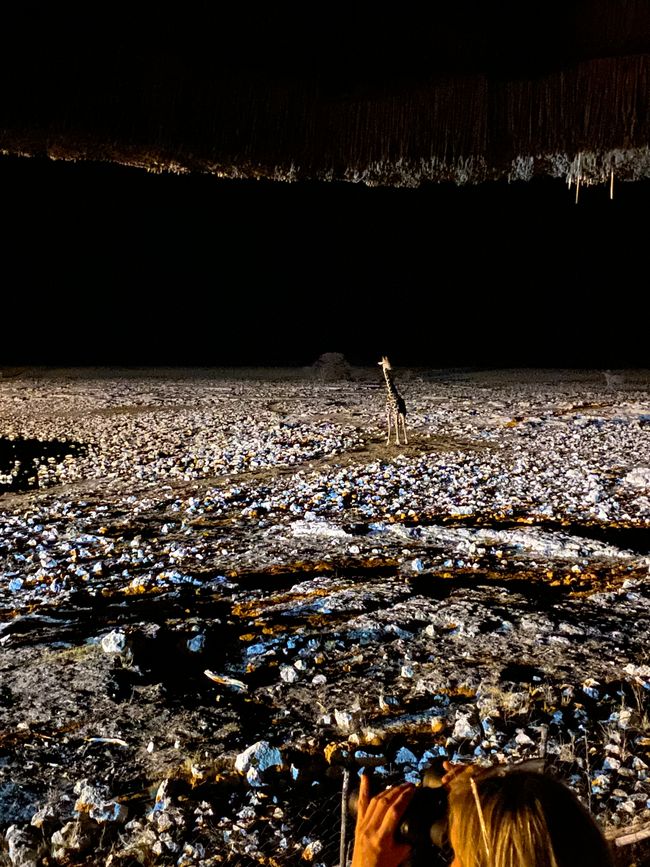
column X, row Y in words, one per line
column 24, row 462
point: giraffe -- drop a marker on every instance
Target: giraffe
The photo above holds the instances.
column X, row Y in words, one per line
column 395, row 406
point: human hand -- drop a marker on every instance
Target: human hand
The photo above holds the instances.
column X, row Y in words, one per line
column 378, row 818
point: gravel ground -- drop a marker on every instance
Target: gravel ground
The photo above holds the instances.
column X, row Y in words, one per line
column 217, row 592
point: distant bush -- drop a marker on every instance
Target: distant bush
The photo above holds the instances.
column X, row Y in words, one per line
column 331, row 367
column 614, row 380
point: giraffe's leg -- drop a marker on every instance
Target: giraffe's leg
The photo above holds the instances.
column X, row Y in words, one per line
column 396, row 417
column 388, row 420
column 403, row 420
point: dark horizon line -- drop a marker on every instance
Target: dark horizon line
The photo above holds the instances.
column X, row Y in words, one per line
column 594, row 364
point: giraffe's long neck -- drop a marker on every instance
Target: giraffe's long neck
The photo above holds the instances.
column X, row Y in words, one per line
column 393, row 394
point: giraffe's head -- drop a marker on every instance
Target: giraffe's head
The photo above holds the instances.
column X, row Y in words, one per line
column 384, row 363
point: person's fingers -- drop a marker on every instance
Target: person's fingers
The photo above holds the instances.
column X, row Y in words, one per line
column 376, row 810
column 368, row 806
column 376, row 842
column 394, row 808
column 364, row 797
column 393, row 792
column 381, row 801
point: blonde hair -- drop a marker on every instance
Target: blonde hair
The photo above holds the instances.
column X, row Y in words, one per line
column 521, row 819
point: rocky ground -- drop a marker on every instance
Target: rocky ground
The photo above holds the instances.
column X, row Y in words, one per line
column 217, row 593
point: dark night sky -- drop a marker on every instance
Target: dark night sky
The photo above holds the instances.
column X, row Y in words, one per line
column 111, row 265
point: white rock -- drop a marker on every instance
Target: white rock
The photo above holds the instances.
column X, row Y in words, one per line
column 522, row 739
column 343, row 720
column 256, row 759
column 639, row 477
column 22, row 847
column 114, row 642
column 464, row 730
column 91, row 799
column 624, row 717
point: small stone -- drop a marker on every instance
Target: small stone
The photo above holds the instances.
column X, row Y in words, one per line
column 464, row 730
column 343, row 720
column 624, row 717
column 196, row 644
column 114, row 642
column 88, row 796
column 600, row 784
column 74, row 838
column 163, row 798
column 44, row 816
column 488, row 727
column 522, row 739
column 93, row 801
column 257, row 759
column 109, row 812
column 313, row 848
column 404, row 756
column 23, row 846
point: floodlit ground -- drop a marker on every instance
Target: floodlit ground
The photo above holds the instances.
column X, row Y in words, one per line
column 220, row 588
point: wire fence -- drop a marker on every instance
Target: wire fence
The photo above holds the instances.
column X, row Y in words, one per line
column 307, row 831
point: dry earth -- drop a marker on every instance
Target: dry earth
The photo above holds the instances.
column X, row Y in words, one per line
column 198, row 562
